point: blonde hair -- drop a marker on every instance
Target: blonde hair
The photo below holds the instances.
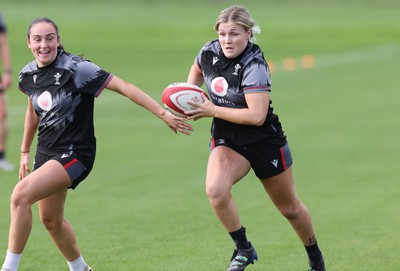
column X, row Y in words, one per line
column 240, row 15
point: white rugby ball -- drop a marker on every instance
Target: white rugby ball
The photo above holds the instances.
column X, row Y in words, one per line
column 176, row 95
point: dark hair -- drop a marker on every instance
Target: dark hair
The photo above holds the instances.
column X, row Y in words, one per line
column 44, row 20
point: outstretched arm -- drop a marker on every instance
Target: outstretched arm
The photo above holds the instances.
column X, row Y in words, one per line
column 141, row 98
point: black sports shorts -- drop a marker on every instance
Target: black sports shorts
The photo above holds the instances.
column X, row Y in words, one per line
column 77, row 167
column 266, row 159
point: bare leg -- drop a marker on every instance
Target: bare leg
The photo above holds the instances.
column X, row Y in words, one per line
column 281, row 190
column 3, row 122
column 225, row 168
column 48, row 180
column 51, row 210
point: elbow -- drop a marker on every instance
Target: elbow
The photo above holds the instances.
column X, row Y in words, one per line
column 259, row 120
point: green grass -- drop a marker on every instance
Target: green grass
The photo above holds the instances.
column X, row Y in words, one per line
column 144, row 208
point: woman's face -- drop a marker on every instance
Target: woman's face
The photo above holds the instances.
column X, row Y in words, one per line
column 43, row 42
column 233, row 39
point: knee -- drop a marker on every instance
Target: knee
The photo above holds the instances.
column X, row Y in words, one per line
column 19, row 199
column 216, row 195
column 51, row 223
column 292, row 211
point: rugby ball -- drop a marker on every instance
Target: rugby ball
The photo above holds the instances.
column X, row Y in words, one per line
column 176, row 95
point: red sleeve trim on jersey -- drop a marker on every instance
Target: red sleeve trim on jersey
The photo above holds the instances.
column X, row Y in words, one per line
column 23, row 91
column 103, row 86
column 256, row 89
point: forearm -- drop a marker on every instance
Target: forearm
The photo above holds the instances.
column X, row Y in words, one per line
column 30, row 127
column 242, row 116
column 136, row 95
column 5, row 55
column 143, row 99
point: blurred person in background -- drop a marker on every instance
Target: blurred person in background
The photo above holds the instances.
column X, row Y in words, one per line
column 5, row 82
column 246, row 134
column 61, row 89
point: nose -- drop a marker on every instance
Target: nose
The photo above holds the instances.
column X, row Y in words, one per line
column 43, row 43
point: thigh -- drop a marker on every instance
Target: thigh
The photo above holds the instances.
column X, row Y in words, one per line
column 71, row 162
column 3, row 109
column 52, row 207
column 280, row 189
column 225, row 168
column 50, row 179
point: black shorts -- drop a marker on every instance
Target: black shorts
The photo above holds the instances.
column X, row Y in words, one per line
column 266, row 159
column 77, row 167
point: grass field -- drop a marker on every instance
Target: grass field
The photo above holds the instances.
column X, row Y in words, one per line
column 144, row 208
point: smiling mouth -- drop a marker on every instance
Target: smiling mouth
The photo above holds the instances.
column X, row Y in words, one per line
column 44, row 52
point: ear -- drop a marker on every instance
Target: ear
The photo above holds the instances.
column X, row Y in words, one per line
column 28, row 42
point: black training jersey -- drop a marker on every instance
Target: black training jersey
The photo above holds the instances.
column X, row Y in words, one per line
column 227, row 81
column 2, row 25
column 62, row 95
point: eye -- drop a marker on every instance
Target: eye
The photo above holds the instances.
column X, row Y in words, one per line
column 51, row 38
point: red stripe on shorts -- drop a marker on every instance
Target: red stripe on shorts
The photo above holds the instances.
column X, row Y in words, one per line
column 283, row 158
column 70, row 163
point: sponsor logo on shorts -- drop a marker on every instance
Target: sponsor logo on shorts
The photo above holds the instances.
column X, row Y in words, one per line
column 275, row 163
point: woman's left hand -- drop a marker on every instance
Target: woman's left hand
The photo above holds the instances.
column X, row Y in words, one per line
column 177, row 124
column 24, row 165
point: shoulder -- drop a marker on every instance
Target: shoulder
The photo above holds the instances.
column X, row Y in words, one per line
column 75, row 64
column 209, row 50
column 67, row 60
column 255, row 71
column 254, row 55
column 30, row 67
column 211, row 46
